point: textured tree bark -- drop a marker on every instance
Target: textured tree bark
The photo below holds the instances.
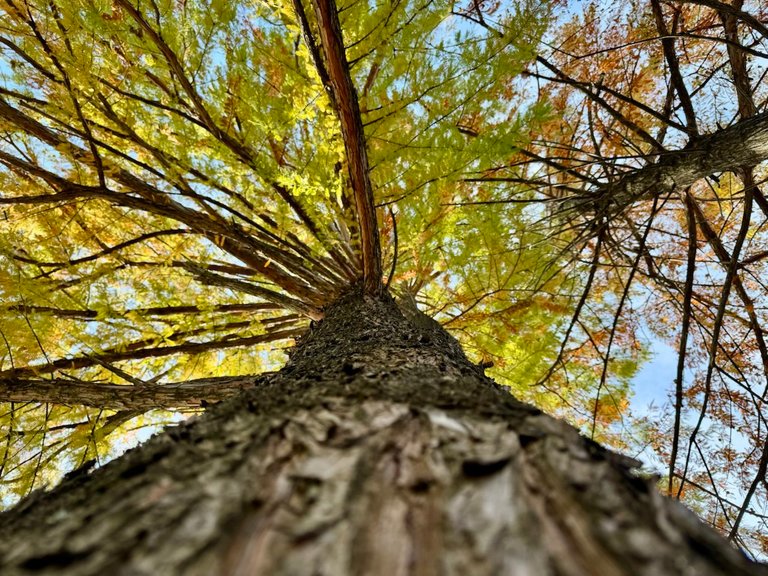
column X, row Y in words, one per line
column 191, row 394
column 348, row 109
column 743, row 144
column 378, row 450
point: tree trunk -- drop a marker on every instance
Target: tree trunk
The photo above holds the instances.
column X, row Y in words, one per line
column 378, row 450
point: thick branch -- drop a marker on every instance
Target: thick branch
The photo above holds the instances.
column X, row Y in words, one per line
column 348, row 108
column 87, row 314
column 676, row 77
column 724, row 8
column 142, row 349
column 191, row 394
column 743, row 144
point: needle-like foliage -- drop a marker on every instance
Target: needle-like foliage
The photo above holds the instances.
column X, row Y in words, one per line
column 184, row 186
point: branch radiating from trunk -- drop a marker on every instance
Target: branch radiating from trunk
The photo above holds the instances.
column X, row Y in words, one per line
column 105, row 396
column 348, row 109
column 148, row 348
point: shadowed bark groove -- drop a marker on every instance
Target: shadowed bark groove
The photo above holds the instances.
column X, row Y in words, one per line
column 378, row 450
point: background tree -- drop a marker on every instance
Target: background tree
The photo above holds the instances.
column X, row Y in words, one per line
column 655, row 161
column 186, row 187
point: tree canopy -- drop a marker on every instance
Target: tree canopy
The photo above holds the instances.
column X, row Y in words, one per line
column 564, row 186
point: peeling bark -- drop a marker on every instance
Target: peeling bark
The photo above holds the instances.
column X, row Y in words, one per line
column 378, row 450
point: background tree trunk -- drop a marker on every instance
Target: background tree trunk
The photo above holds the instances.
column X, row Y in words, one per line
column 378, row 450
column 743, row 144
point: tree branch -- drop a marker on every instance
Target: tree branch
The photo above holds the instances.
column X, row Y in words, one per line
column 743, row 144
column 140, row 350
column 63, row 391
column 348, row 109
